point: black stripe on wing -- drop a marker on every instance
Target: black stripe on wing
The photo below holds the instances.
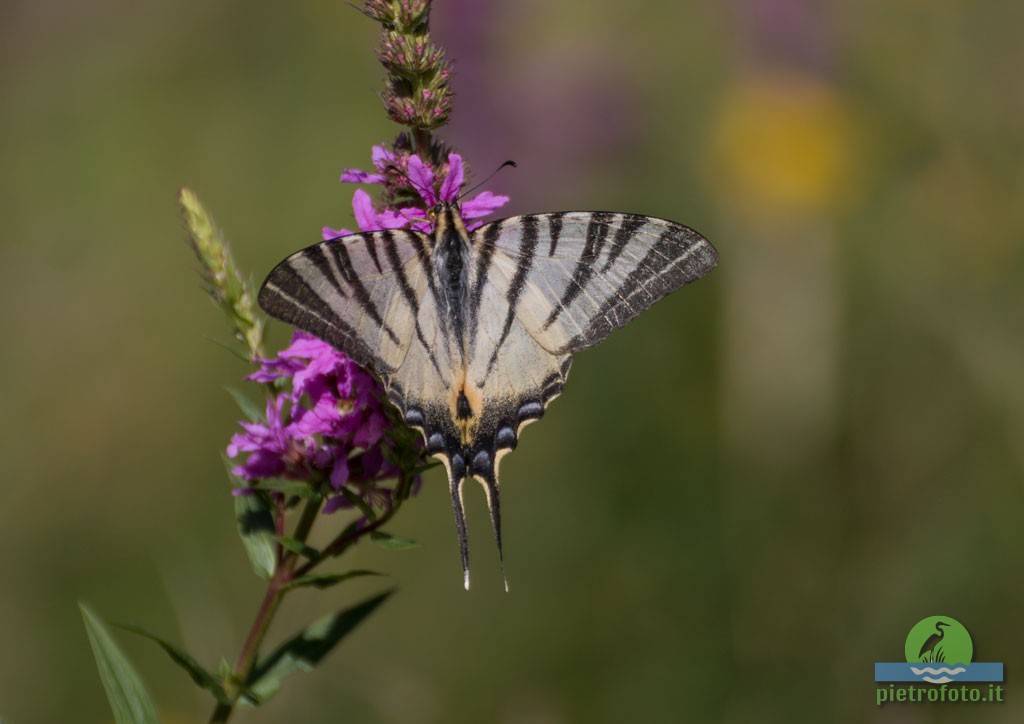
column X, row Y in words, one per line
column 483, row 264
column 679, row 256
column 285, row 295
column 359, row 292
column 527, row 249
column 626, row 229
column 600, row 271
column 554, row 230
column 391, row 248
column 597, row 233
column 328, row 289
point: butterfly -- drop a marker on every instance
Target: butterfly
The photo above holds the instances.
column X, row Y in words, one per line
column 472, row 333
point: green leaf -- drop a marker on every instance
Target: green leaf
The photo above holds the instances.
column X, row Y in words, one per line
column 289, row 488
column 326, row 580
column 249, row 408
column 422, row 468
column 125, row 690
column 225, row 670
column 229, row 346
column 304, row 651
column 348, row 533
column 203, row 678
column 390, row 455
column 297, row 546
column 256, row 528
column 359, row 503
column 391, row 542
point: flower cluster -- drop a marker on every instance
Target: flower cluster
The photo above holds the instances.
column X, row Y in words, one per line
column 329, row 429
column 420, row 184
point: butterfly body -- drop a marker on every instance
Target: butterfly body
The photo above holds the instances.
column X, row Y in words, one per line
column 472, row 333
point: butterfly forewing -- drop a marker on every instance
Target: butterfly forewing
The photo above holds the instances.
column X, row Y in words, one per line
column 357, row 292
column 593, row 272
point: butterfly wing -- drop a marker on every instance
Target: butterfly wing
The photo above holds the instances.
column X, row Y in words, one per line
column 349, row 293
column 373, row 297
column 516, row 376
column 593, row 272
column 548, row 285
column 513, row 377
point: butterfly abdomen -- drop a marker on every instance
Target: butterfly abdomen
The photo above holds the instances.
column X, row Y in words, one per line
column 451, row 269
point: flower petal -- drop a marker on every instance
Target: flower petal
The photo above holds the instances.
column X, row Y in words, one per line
column 355, row 176
column 328, row 233
column 482, row 204
column 369, row 219
column 422, row 179
column 389, row 219
column 382, row 157
column 338, row 502
column 362, row 207
column 339, row 475
column 414, row 213
column 453, row 181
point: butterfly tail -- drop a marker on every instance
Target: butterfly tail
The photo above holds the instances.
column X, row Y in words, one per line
column 456, row 475
column 486, row 474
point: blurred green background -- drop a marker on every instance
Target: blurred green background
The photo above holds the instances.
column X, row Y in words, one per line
column 743, row 500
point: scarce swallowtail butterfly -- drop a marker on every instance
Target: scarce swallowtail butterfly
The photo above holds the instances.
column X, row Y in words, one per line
column 472, row 333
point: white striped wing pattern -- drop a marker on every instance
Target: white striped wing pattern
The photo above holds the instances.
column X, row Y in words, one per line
column 472, row 334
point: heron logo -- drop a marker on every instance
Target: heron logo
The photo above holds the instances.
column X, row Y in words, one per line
column 939, row 640
column 939, row 651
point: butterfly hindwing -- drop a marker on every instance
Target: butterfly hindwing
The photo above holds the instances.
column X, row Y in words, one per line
column 511, row 376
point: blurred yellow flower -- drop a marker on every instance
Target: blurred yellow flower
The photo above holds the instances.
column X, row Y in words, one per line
column 781, row 143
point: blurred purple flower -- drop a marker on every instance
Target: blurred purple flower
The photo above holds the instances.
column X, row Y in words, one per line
column 329, row 426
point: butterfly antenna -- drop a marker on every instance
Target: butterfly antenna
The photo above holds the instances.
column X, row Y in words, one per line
column 494, row 173
column 489, row 480
column 456, row 476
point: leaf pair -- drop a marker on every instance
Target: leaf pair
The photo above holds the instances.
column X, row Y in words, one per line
column 131, row 703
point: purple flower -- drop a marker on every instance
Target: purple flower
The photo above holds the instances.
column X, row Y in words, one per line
column 406, row 175
column 371, row 220
column 382, row 159
column 271, row 449
column 327, row 425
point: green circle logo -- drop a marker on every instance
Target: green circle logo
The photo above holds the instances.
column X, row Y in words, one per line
column 939, row 639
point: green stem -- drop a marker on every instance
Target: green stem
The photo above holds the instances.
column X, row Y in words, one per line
column 268, row 607
column 221, row 713
column 346, row 539
column 421, row 143
column 305, row 523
